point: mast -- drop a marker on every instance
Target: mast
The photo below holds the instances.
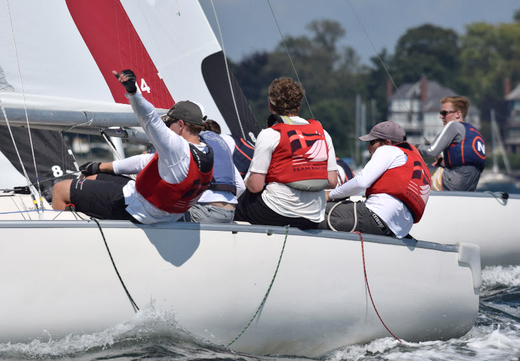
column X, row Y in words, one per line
column 498, row 146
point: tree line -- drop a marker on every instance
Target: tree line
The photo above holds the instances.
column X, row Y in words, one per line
column 474, row 64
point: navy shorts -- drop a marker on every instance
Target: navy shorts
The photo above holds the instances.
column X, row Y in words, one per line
column 101, row 198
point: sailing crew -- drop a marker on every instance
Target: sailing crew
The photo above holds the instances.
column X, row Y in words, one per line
column 168, row 182
column 397, row 184
column 463, row 148
column 293, row 162
column 217, row 203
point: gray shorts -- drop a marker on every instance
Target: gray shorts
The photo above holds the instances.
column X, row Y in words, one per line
column 348, row 216
column 207, row 213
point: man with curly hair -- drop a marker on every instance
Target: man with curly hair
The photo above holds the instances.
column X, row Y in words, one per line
column 294, row 161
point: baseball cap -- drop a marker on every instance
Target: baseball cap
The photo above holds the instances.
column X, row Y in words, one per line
column 385, row 130
column 186, row 110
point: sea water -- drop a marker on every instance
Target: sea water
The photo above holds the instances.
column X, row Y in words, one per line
column 153, row 335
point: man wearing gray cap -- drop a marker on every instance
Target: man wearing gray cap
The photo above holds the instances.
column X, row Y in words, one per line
column 397, row 185
column 168, row 182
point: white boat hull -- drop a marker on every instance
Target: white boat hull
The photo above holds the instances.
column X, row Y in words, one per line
column 57, row 278
column 483, row 218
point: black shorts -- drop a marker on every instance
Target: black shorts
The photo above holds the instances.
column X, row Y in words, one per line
column 251, row 208
column 101, row 198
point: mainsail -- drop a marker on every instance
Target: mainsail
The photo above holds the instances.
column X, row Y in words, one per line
column 57, row 58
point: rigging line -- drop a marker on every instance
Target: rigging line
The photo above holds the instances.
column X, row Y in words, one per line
column 368, row 287
column 132, row 302
column 110, row 144
column 114, row 149
column 290, row 58
column 21, row 212
column 268, row 289
column 227, row 71
column 383, row 64
column 25, row 110
column 329, row 222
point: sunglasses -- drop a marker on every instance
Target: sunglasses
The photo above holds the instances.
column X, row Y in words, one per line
column 170, row 122
column 443, row 113
column 372, row 142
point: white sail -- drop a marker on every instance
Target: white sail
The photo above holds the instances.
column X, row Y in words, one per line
column 54, row 69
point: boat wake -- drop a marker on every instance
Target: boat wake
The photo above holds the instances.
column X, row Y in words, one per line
column 149, row 333
column 495, row 336
column 153, row 334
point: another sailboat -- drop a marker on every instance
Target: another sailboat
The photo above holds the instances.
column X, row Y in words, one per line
column 255, row 289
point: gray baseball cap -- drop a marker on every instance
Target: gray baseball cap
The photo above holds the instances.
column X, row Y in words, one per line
column 186, row 110
column 385, row 130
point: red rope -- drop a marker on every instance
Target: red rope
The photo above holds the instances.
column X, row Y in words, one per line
column 368, row 287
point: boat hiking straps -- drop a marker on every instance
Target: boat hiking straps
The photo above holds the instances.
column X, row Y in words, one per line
column 334, row 207
column 72, row 208
column 368, row 287
column 268, row 290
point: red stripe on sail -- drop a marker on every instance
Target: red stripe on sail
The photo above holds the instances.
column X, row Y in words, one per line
column 115, row 45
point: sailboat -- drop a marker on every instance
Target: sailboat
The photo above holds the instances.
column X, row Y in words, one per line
column 255, row 289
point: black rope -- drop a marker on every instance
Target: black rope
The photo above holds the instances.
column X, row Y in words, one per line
column 268, row 290
column 134, row 305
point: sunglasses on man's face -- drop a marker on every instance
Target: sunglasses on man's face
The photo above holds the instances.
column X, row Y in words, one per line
column 170, row 122
column 443, row 113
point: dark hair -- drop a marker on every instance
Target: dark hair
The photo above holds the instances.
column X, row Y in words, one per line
column 212, row 125
column 285, row 96
column 194, row 129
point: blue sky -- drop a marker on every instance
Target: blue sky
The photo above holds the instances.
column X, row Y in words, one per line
column 371, row 25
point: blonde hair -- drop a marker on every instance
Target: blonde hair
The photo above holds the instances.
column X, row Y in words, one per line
column 459, row 103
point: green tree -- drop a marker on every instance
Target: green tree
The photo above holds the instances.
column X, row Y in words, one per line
column 250, row 73
column 427, row 50
column 329, row 74
column 490, row 54
column 377, row 77
column 517, row 16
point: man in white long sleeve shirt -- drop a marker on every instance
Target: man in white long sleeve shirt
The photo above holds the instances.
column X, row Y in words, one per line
column 168, row 182
column 397, row 184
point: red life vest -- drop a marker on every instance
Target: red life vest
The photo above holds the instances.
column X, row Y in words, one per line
column 301, row 154
column 410, row 183
column 176, row 197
